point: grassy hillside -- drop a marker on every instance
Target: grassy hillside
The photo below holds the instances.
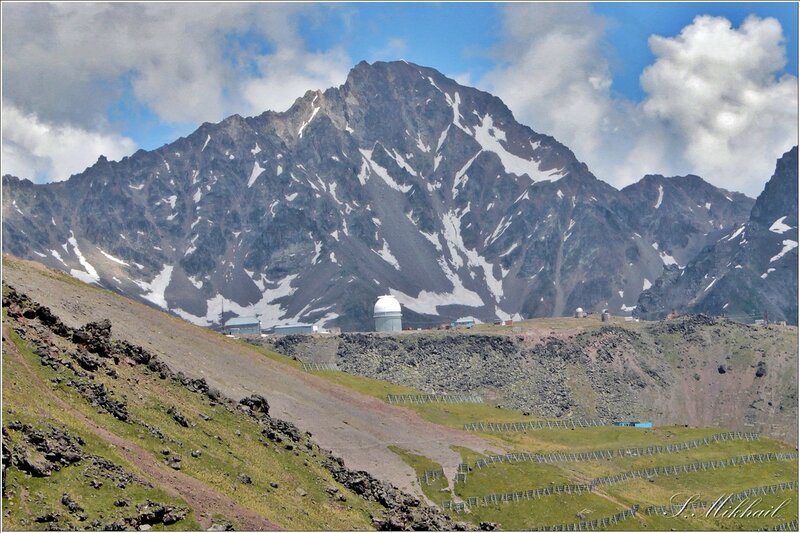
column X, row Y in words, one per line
column 604, row 501
column 182, row 435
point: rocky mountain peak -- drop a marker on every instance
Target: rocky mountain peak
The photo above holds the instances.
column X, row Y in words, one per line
column 399, row 181
column 779, row 197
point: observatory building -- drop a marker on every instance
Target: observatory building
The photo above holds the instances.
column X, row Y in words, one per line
column 387, row 314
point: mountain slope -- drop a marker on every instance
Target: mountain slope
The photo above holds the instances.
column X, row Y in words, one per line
column 229, row 461
column 748, row 272
column 400, row 180
column 340, row 420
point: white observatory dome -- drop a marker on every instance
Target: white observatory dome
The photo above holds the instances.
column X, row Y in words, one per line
column 387, row 304
column 579, row 310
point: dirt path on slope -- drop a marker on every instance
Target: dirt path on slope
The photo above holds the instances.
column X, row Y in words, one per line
column 356, row 427
column 203, row 499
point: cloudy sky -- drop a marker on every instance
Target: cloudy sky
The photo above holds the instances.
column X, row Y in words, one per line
column 632, row 89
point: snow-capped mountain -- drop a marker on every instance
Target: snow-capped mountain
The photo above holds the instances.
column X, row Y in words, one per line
column 750, row 270
column 400, row 181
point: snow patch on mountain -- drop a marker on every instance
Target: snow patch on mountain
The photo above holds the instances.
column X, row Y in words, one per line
column 317, row 251
column 257, row 170
column 428, row 302
column 401, row 162
column 788, row 246
column 307, row 122
column 90, row 276
column 456, row 246
column 375, row 168
column 513, row 247
column 455, row 103
column 713, row 281
column 779, row 226
column 660, row 197
column 422, row 146
column 489, row 137
column 154, row 290
column 461, row 176
column 386, row 254
column 112, row 258
column 57, row 256
column 736, row 233
column 266, row 308
column 667, row 259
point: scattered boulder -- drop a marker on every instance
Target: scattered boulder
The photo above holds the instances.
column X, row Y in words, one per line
column 70, row 504
column 256, row 403
column 178, row 417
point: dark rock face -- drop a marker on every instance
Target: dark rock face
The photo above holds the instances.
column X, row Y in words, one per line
column 398, row 181
column 533, row 378
column 750, row 271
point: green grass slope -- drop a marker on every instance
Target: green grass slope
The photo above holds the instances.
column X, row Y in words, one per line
column 608, row 500
column 224, row 451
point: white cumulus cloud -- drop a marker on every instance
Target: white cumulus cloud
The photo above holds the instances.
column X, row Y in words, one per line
column 716, row 86
column 713, row 104
column 69, row 63
column 44, row 152
column 282, row 82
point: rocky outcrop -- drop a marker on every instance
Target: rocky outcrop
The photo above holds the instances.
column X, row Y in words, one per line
column 533, row 378
column 404, row 512
column 645, row 370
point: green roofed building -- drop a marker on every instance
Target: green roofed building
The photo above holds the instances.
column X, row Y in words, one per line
column 243, row 325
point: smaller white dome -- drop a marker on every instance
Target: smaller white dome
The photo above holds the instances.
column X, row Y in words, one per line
column 387, row 304
column 579, row 310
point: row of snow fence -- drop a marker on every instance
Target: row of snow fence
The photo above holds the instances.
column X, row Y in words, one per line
column 646, row 473
column 308, row 367
column 670, row 510
column 604, row 454
column 786, row 526
column 610, row 454
column 535, row 424
column 434, row 398
column 590, row 525
column 429, row 476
